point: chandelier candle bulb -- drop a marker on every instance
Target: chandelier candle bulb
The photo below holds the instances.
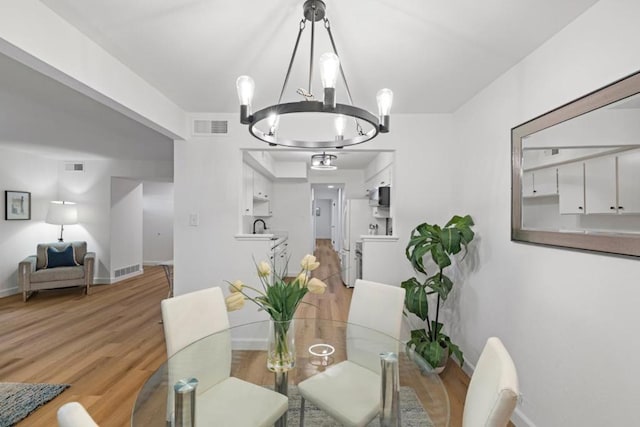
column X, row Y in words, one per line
column 385, row 100
column 329, row 67
column 245, row 86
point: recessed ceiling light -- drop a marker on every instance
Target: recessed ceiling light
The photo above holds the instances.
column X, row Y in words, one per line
column 330, row 186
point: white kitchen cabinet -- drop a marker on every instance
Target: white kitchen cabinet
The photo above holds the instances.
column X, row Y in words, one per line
column 247, row 185
column 571, row 188
column 261, row 187
column 381, row 212
column 541, row 182
column 600, row 185
column 381, row 179
column 629, row 182
column 262, row 208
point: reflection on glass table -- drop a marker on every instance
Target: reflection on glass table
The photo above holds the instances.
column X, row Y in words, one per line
column 319, row 344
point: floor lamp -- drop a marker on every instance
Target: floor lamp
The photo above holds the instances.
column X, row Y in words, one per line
column 62, row 213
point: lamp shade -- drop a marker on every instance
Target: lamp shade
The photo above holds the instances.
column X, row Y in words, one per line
column 62, row 213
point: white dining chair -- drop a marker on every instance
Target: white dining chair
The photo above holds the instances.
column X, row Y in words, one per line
column 350, row 390
column 73, row 414
column 493, row 391
column 220, row 399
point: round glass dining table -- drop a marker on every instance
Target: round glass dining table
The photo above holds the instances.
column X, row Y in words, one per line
column 319, row 345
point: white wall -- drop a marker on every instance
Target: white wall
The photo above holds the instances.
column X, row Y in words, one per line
column 157, row 222
column 37, row 175
column 126, row 226
column 565, row 316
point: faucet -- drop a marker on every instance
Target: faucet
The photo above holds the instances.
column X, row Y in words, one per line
column 264, row 225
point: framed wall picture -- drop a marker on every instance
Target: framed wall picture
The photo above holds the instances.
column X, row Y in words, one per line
column 17, row 205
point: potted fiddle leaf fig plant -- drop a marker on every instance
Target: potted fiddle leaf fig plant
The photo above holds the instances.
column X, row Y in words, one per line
column 440, row 244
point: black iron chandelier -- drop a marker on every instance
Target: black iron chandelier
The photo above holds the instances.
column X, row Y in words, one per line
column 267, row 124
column 323, row 162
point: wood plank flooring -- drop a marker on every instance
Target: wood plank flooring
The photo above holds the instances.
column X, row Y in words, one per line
column 108, row 343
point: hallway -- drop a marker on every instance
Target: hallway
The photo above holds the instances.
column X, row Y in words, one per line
column 334, row 303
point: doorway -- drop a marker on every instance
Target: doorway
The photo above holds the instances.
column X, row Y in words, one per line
column 326, row 213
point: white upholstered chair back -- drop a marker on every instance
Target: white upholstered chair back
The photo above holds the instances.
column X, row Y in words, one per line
column 493, row 390
column 187, row 319
column 378, row 308
column 73, row 414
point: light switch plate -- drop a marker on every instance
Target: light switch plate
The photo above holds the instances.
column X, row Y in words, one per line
column 194, row 219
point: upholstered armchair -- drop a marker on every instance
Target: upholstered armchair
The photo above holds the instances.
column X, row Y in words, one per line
column 57, row 265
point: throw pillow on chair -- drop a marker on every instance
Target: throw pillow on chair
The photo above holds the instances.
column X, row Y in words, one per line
column 65, row 257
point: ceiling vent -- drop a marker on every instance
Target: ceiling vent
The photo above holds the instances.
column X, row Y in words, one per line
column 210, row 127
column 74, row 166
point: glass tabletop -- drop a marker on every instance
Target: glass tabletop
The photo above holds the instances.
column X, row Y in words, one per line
column 319, row 344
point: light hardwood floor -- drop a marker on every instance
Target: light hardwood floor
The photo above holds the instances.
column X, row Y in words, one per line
column 108, row 343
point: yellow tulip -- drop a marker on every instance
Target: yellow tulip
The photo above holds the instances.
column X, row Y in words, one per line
column 264, row 269
column 316, row 286
column 236, row 286
column 302, row 279
column 309, row 263
column 235, row 301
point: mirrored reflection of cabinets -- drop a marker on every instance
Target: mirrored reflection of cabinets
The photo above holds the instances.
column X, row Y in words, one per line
column 571, row 188
column 539, row 183
column 594, row 144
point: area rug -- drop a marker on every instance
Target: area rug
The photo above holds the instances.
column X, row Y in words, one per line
column 17, row 400
column 412, row 414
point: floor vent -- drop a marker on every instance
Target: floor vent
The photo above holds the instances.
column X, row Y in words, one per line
column 127, row 270
column 210, row 127
column 74, row 166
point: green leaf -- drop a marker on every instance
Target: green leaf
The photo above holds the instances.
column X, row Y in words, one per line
column 440, row 284
column 450, row 239
column 455, row 351
column 440, row 257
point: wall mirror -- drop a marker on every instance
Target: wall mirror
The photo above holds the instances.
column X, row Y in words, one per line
column 576, row 173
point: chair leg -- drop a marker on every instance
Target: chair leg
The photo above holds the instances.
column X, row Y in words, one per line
column 301, row 411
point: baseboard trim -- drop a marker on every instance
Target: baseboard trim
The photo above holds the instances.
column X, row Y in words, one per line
column 9, row 292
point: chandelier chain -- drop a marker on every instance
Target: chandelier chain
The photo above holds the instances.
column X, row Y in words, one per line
column 313, row 33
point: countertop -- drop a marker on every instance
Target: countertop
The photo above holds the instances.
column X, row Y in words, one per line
column 277, row 237
column 378, row 238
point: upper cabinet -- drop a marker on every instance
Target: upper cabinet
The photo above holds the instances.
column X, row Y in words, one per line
column 600, row 185
column 257, row 193
column 261, row 187
column 629, row 183
column 541, row 182
column 381, row 179
column 571, row 188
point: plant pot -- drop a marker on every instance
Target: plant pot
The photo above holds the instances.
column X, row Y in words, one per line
column 424, row 366
column 443, row 361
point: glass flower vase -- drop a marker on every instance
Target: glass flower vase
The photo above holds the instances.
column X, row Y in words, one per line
column 281, row 350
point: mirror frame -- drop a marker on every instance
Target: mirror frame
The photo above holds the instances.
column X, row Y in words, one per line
column 612, row 243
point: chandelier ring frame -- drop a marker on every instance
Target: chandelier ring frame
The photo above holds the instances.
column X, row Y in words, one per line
column 313, row 107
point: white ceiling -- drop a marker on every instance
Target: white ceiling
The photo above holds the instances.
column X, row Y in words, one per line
column 435, row 55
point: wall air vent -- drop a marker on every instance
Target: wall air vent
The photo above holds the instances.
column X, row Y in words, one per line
column 74, row 166
column 210, row 127
column 127, row 270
